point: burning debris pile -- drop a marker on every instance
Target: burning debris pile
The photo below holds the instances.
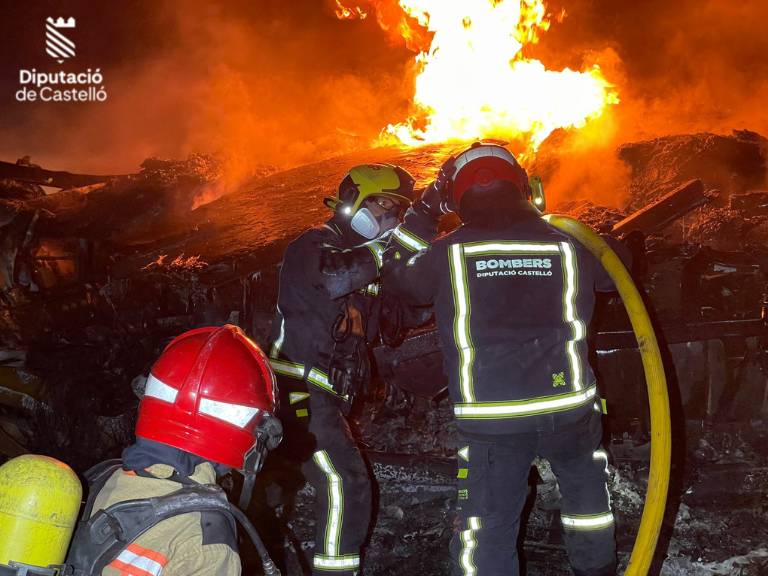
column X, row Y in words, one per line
column 72, row 325
column 95, row 278
column 687, row 189
column 733, row 175
column 732, row 165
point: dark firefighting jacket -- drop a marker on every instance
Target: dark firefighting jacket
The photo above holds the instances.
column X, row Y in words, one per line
column 512, row 306
column 327, row 285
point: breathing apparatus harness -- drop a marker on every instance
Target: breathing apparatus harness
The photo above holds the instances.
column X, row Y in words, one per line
column 349, row 369
column 100, row 538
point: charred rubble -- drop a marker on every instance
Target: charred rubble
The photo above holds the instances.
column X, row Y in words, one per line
column 97, row 273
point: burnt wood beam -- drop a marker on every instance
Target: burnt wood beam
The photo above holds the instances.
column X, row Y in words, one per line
column 57, row 179
column 666, row 209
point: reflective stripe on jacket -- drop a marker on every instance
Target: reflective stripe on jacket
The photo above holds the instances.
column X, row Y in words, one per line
column 512, row 307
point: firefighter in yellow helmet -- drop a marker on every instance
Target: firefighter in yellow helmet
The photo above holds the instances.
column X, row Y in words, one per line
column 327, row 316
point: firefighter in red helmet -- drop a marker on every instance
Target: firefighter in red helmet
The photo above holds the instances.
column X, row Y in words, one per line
column 512, row 298
column 207, row 408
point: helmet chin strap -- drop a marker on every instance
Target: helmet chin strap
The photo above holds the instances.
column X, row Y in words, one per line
column 267, row 436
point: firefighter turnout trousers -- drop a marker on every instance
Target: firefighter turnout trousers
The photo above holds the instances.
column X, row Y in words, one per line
column 493, row 478
column 317, row 432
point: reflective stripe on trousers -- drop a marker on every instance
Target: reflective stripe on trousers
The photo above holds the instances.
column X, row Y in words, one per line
column 468, row 546
column 493, row 480
column 349, row 562
column 331, row 559
column 587, row 521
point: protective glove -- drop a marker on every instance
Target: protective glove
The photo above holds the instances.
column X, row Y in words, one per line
column 334, row 261
column 391, row 321
column 349, row 372
column 434, row 201
column 356, row 261
column 396, row 319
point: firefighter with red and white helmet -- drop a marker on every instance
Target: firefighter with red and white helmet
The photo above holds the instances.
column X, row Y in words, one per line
column 512, row 298
column 207, row 408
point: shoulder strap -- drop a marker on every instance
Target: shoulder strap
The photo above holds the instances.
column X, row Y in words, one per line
column 97, row 476
column 95, row 472
column 101, row 538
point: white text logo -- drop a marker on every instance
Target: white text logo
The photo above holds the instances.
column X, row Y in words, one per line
column 60, row 85
column 513, row 263
column 493, row 268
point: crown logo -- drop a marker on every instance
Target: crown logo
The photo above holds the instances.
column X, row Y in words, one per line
column 57, row 44
column 61, row 23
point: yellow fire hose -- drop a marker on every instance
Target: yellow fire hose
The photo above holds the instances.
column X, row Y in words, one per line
column 661, row 437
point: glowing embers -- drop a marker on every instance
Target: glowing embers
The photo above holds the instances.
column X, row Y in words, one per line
column 54, row 263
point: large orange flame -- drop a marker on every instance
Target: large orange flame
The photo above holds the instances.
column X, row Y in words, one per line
column 473, row 80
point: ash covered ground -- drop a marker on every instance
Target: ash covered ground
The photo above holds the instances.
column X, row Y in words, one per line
column 94, row 280
column 715, row 521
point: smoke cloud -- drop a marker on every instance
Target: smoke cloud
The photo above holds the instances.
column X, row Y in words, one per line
column 680, row 67
column 286, row 83
column 686, row 66
column 260, row 83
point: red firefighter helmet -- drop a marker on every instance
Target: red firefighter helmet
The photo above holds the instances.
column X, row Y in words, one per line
column 207, row 393
column 482, row 165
